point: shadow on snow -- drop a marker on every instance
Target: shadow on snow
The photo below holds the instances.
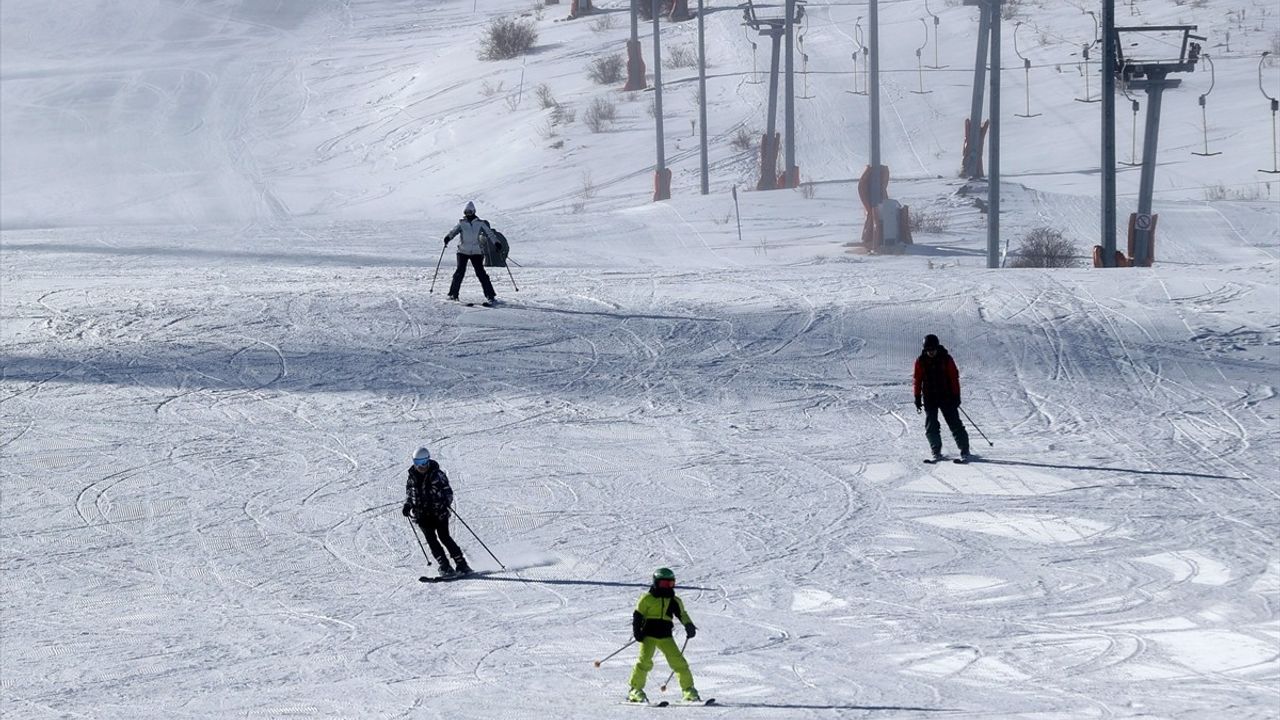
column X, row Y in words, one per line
column 1063, row 466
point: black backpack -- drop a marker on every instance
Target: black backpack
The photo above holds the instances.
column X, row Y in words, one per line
column 496, row 250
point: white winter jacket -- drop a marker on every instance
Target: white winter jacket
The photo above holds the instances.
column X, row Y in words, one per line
column 471, row 232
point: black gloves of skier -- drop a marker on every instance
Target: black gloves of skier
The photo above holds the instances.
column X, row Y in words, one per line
column 446, row 241
column 919, row 403
column 690, row 630
column 637, row 626
column 406, row 509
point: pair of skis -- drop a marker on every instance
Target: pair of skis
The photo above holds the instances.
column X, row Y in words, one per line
column 958, row 461
column 667, row 703
column 444, row 578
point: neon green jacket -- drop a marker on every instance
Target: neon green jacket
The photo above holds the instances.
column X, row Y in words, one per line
column 654, row 616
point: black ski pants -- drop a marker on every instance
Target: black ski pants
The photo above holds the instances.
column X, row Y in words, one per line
column 436, row 530
column 933, row 431
column 477, row 263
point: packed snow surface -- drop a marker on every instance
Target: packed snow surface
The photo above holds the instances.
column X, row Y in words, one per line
column 224, row 336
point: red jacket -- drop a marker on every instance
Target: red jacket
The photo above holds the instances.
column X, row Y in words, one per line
column 937, row 379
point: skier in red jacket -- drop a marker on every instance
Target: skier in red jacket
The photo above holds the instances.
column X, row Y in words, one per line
column 937, row 388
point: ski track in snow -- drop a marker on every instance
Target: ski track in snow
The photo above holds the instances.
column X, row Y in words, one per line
column 619, row 425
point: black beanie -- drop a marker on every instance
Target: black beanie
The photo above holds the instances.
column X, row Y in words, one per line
column 931, row 341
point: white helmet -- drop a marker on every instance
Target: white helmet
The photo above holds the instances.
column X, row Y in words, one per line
column 422, row 457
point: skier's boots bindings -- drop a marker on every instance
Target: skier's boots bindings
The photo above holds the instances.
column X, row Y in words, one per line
column 637, row 696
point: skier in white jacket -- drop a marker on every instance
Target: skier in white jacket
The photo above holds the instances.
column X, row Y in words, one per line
column 471, row 231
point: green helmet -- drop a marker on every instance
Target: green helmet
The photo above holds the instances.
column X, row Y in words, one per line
column 663, row 574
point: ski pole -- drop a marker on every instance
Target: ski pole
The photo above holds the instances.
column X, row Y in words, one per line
column 477, row 537
column 415, row 537
column 437, row 272
column 630, row 642
column 975, row 427
column 673, row 672
column 513, row 278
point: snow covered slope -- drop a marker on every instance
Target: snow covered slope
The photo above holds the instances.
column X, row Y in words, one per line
column 222, row 342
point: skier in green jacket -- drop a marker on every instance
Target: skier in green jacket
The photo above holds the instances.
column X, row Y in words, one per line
column 651, row 624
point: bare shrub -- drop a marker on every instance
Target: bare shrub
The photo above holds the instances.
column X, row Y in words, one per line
column 546, row 100
column 585, row 193
column 600, row 114
column 605, row 108
column 506, row 38
column 1216, row 192
column 488, row 89
column 606, row 69
column 808, row 190
column 680, row 56
column 743, row 140
column 563, row 115
column 1222, row 192
column 930, row 221
column 1044, row 247
column 602, row 23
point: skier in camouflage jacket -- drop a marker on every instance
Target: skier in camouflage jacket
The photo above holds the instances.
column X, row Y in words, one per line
column 428, row 498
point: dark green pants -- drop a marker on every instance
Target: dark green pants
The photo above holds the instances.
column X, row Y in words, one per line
column 933, row 431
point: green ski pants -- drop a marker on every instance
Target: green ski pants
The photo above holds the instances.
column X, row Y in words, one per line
column 674, row 657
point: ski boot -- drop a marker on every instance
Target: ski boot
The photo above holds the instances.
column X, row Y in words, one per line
column 461, row 566
column 452, row 297
column 938, row 456
column 637, row 696
column 964, row 456
column 691, row 695
column 446, row 569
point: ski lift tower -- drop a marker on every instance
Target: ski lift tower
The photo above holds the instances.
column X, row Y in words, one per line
column 1143, row 62
column 774, row 29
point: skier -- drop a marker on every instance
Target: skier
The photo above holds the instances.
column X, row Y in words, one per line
column 651, row 625
column 937, row 388
column 428, row 498
column 472, row 232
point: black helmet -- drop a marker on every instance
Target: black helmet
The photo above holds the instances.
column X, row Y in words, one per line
column 931, row 341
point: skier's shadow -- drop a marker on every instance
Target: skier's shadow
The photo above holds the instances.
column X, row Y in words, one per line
column 1063, row 466
column 798, row 706
column 496, row 577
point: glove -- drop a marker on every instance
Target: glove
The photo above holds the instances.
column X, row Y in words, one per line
column 446, row 242
column 406, row 510
column 690, row 630
column 919, row 403
column 637, row 626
